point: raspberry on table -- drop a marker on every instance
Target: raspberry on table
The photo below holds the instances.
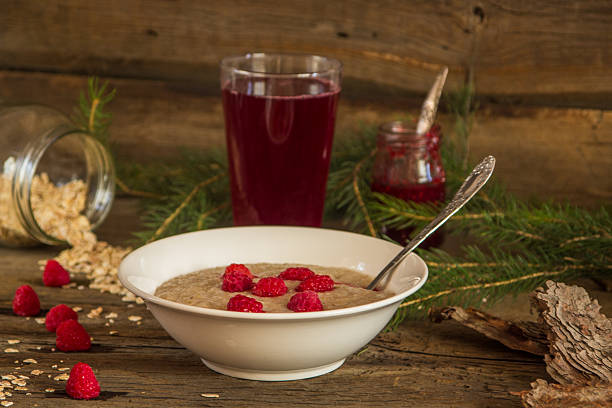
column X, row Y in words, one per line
column 270, row 287
column 318, row 283
column 307, row 301
column 236, row 281
column 57, row 315
column 82, row 383
column 71, row 336
column 297, row 273
column 238, row 268
column 241, row 303
column 25, row 302
column 55, row 274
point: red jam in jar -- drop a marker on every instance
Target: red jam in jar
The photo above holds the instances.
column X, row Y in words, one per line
column 409, row 166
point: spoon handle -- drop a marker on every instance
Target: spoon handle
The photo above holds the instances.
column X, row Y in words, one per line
column 474, row 182
column 430, row 105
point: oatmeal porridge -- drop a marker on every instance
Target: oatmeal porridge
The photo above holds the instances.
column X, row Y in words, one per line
column 204, row 288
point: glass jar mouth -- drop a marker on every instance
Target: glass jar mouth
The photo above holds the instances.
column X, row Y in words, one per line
column 398, row 127
column 281, row 65
column 401, row 132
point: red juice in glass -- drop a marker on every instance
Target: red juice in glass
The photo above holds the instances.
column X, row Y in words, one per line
column 279, row 132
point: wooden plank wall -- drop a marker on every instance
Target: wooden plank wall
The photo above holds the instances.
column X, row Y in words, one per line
column 541, row 70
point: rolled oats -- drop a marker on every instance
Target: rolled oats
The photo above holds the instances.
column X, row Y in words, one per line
column 61, row 377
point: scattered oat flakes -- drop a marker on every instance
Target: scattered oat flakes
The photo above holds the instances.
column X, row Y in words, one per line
column 94, row 313
column 11, row 350
column 210, row 395
column 113, row 332
column 39, row 320
column 80, row 287
column 13, row 341
column 49, row 389
column 63, row 369
column 77, row 308
column 138, row 323
column 107, row 324
column 36, row 372
column 38, row 347
column 139, row 300
column 30, row 361
column 17, row 368
column 8, row 377
column 134, row 318
column 54, row 366
column 69, row 285
column 61, row 377
column 19, row 382
column 16, row 361
column 24, row 377
column 111, row 315
column 21, row 388
column 6, row 403
column 111, row 321
column 5, row 383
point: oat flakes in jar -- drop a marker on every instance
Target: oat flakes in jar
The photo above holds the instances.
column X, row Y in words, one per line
column 56, row 182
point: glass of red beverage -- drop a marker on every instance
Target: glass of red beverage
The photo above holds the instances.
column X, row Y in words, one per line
column 280, row 111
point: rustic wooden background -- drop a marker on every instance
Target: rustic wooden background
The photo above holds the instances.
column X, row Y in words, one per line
column 541, row 70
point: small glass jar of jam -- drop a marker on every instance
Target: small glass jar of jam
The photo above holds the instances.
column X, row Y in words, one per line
column 409, row 166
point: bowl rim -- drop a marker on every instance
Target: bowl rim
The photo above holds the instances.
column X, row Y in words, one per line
column 273, row 315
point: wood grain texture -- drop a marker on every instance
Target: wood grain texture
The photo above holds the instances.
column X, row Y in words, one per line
column 545, row 50
column 563, row 154
column 421, row 364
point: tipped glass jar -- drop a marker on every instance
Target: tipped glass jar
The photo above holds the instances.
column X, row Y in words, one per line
column 54, row 176
column 409, row 166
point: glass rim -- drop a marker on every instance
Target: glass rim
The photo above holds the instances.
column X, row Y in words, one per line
column 335, row 65
column 398, row 127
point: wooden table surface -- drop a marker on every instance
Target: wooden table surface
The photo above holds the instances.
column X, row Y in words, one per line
column 421, row 364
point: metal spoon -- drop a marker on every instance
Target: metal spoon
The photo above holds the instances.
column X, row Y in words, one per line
column 474, row 182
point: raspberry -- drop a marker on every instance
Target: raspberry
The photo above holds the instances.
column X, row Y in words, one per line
column 71, row 336
column 238, row 268
column 270, row 287
column 236, row 281
column 57, row 315
column 318, row 283
column 25, row 302
column 241, row 303
column 307, row 301
column 299, row 274
column 82, row 383
column 55, row 274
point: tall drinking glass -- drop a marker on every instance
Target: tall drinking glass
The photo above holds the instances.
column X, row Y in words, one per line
column 279, row 111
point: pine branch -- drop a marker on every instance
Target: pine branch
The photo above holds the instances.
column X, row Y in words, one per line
column 90, row 114
column 521, row 244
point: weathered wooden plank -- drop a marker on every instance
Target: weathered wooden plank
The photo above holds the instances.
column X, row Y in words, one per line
column 420, row 364
column 541, row 152
column 543, row 47
column 529, row 50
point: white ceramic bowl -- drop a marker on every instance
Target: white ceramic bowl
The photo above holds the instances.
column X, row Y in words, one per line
column 270, row 346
